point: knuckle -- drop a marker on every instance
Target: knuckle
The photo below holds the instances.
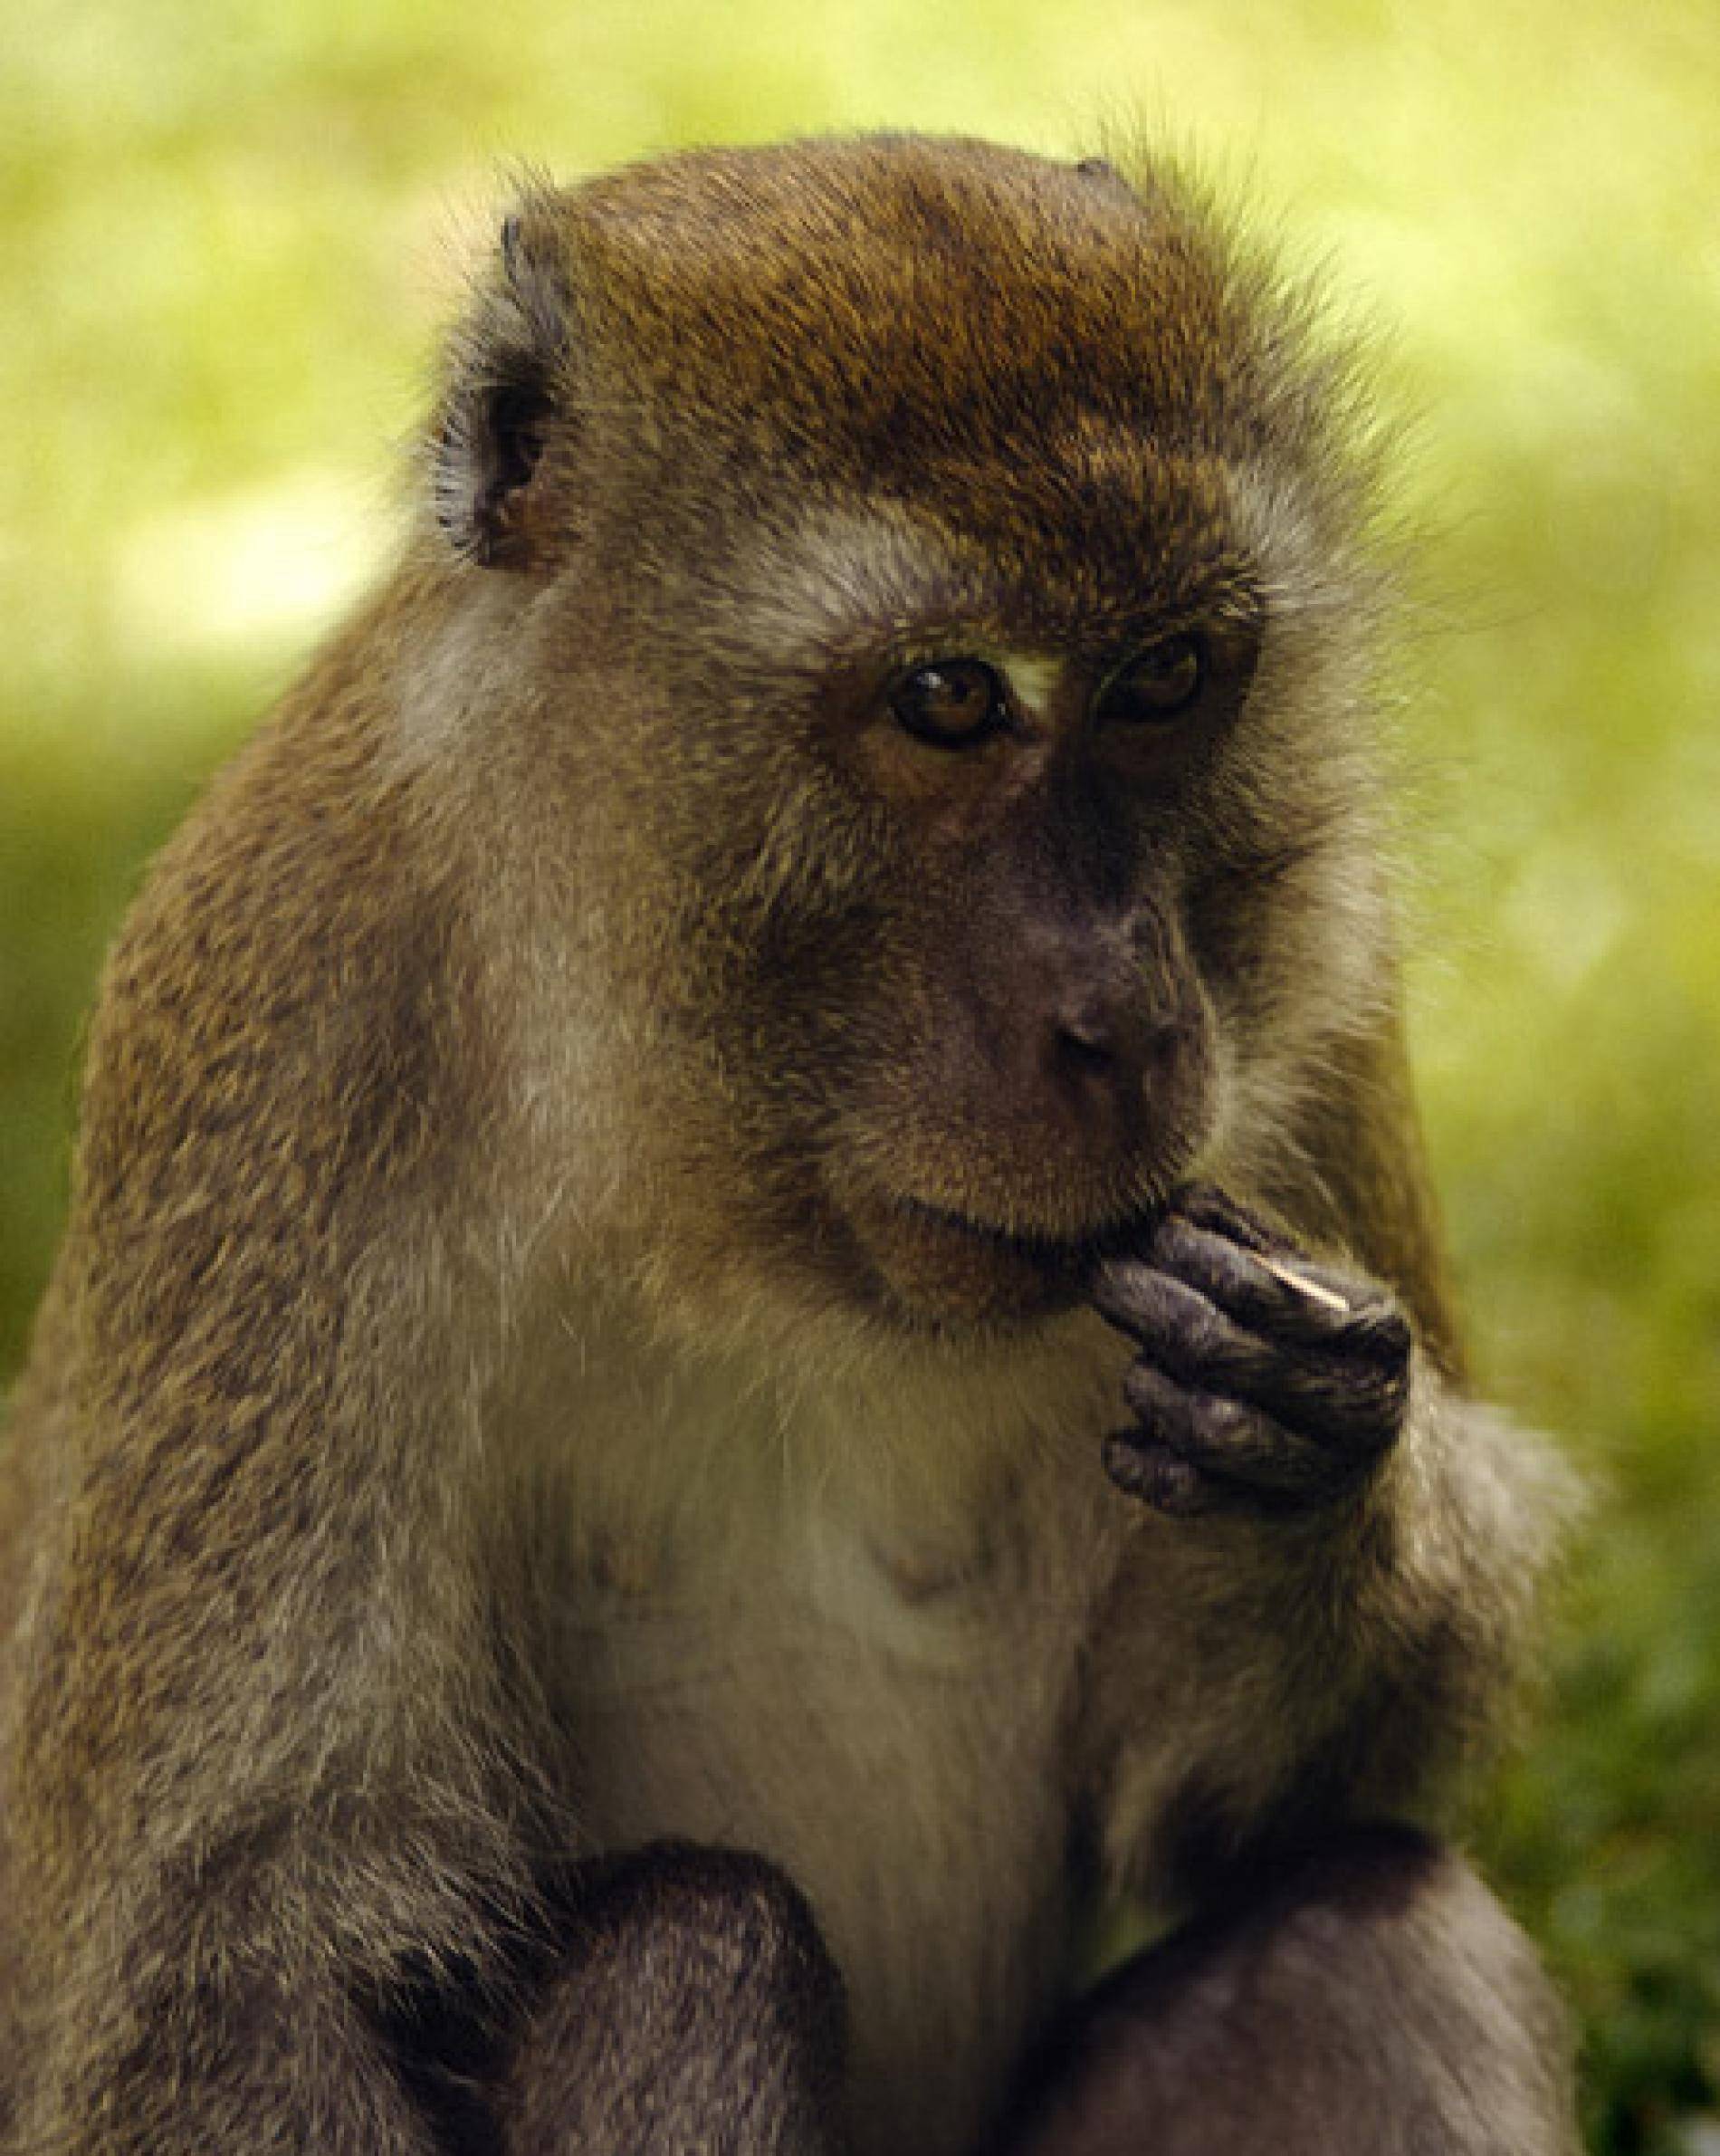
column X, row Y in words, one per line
column 1224, row 1422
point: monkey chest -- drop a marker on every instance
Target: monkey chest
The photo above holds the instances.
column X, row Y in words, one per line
column 894, row 1737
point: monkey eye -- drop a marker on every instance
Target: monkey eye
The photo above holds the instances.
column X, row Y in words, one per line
column 952, row 705
column 1158, row 683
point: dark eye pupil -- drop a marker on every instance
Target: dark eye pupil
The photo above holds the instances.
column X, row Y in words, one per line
column 1162, row 682
column 952, row 704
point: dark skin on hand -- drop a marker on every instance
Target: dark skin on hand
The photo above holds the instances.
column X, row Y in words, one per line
column 1267, row 1382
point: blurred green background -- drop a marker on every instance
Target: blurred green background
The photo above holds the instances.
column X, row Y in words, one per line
column 227, row 234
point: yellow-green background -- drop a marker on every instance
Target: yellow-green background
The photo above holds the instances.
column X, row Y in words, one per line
column 227, row 234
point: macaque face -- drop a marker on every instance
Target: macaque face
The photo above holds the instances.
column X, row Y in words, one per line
column 942, row 650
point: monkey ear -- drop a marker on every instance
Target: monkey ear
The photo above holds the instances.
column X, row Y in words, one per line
column 494, row 434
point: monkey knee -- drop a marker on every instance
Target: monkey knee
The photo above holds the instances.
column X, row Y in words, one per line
column 1372, row 1999
column 694, row 1997
column 724, row 1922
column 1388, row 1951
column 1394, row 1908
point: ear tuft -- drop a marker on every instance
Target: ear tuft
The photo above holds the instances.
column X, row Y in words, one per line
column 505, row 392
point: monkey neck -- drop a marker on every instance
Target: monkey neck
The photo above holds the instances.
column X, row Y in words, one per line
column 643, row 1436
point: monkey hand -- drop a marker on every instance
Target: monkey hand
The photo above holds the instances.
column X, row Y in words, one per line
column 1266, row 1382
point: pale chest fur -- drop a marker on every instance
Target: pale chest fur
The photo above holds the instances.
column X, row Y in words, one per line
column 873, row 1679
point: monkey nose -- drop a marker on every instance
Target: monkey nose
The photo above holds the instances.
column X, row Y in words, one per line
column 1108, row 1054
column 1084, row 1041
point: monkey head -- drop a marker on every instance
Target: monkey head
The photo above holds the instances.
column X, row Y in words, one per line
column 960, row 564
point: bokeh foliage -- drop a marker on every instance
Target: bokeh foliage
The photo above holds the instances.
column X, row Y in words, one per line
column 226, row 234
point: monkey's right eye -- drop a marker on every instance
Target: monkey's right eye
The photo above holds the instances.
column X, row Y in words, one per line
column 953, row 704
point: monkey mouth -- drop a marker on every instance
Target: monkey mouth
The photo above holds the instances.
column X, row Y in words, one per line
column 935, row 1264
column 1076, row 1249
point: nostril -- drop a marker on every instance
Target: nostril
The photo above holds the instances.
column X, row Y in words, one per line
column 1085, row 1041
column 1087, row 1048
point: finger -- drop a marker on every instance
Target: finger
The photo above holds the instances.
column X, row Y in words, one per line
column 1203, row 1206
column 1328, row 1395
column 1188, row 1334
column 1206, row 1206
column 1228, row 1440
column 1205, row 1209
column 1158, row 1477
column 1300, row 1303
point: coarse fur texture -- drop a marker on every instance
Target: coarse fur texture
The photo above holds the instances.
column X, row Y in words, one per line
column 602, row 1141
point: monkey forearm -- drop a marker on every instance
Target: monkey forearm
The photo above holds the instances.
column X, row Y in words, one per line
column 228, row 1976
column 1414, row 1618
column 1350, row 1546
column 232, row 2062
column 1348, row 1661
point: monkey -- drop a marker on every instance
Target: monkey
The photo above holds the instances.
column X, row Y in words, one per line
column 752, row 1313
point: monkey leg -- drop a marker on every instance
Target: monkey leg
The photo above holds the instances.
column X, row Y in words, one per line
column 1374, row 2001
column 697, row 2010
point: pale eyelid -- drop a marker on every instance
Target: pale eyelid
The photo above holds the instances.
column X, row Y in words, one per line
column 1032, row 680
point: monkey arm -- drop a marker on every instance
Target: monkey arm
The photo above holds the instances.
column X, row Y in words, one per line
column 239, row 1855
column 252, row 1781
column 1344, row 1654
column 196, row 2058
column 217, row 1922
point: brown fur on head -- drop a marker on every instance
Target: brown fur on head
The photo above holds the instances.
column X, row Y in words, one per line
column 747, row 438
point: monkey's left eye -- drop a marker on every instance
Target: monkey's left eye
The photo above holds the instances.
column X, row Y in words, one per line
column 1157, row 685
column 953, row 704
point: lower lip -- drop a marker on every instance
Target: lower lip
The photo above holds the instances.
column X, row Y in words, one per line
column 936, row 1265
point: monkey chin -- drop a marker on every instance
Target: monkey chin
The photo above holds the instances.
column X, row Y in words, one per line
column 938, row 1270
